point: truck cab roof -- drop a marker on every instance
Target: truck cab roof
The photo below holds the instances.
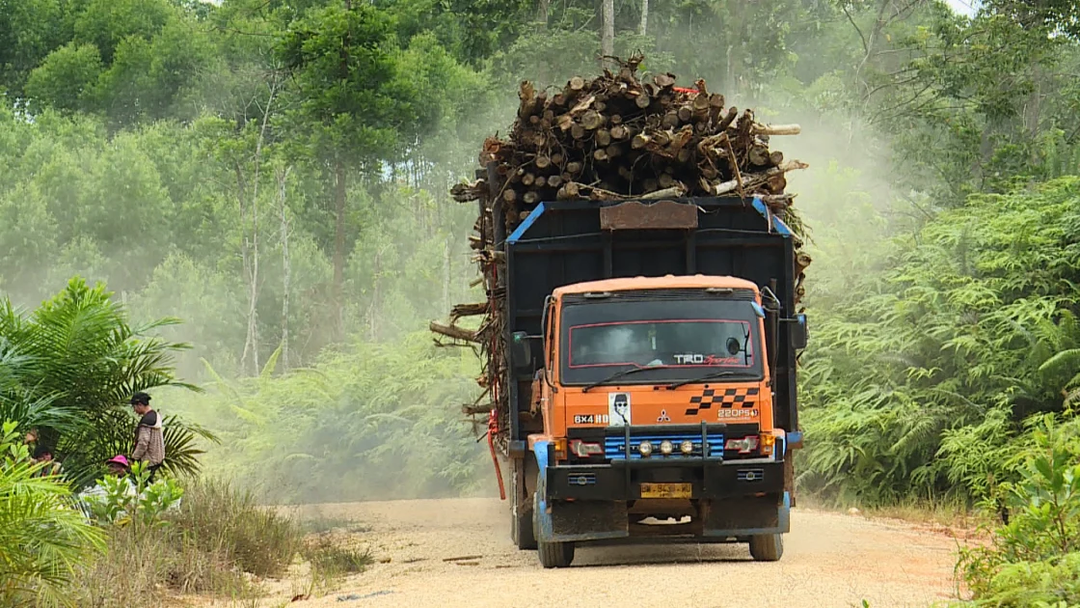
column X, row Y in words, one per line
column 666, row 282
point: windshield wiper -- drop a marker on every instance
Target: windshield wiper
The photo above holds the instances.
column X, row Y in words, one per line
column 620, row 374
column 708, row 376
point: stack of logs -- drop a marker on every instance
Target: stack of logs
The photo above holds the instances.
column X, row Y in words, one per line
column 611, row 138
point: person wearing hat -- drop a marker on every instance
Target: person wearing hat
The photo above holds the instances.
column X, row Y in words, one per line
column 117, row 466
column 149, row 435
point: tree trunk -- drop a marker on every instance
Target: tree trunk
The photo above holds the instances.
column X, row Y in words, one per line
column 282, row 179
column 643, row 27
column 542, row 15
column 607, row 33
column 251, row 342
column 446, row 275
column 340, row 177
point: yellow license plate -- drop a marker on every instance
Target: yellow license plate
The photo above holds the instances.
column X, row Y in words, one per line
column 665, row 490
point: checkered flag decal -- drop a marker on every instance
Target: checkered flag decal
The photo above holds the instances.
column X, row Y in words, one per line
column 729, row 397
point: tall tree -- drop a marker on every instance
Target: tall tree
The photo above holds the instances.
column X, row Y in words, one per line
column 350, row 104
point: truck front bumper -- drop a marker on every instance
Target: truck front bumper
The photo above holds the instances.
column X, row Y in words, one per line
column 708, row 479
column 592, row 502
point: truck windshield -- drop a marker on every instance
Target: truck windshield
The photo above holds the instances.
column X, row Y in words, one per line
column 679, row 340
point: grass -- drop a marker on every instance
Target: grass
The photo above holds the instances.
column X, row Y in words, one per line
column 214, row 545
column 331, row 557
column 330, row 561
column 219, row 544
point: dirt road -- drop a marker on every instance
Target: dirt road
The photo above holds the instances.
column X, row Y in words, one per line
column 830, row 560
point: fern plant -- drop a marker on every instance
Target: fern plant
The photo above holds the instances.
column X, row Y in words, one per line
column 920, row 377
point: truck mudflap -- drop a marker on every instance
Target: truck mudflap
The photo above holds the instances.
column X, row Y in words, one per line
column 735, row 498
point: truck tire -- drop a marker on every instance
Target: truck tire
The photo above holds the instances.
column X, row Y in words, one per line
column 552, row 555
column 521, row 530
column 555, row 555
column 521, row 516
column 767, row 547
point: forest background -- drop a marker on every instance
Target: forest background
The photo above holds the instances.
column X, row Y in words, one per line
column 276, row 174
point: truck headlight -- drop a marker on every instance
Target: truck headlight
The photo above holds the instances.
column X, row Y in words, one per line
column 666, row 448
column 744, row 446
column 645, row 448
column 687, row 447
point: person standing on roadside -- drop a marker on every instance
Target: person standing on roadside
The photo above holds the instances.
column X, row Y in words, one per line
column 149, row 437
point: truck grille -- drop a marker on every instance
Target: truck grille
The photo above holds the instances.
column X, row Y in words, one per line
column 615, row 446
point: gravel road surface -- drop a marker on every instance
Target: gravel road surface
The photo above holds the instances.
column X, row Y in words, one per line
column 830, row 560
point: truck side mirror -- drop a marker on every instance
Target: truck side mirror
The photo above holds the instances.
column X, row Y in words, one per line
column 520, row 350
column 798, row 332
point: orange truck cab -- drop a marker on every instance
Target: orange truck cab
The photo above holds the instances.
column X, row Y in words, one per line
column 650, row 385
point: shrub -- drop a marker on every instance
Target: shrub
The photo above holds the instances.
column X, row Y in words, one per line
column 259, row 540
column 205, row 546
column 335, row 560
column 1034, row 560
column 42, row 535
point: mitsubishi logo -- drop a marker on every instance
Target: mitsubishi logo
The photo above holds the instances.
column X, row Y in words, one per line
column 663, row 417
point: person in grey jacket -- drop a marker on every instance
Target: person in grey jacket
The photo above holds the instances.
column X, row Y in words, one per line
column 149, row 435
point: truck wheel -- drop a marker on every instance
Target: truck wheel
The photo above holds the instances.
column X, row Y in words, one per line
column 555, row 555
column 552, row 555
column 521, row 518
column 767, row 547
column 521, row 530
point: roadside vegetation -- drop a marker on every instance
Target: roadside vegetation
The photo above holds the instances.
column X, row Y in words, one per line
column 207, row 163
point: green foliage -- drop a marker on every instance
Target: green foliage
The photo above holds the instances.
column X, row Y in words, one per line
column 968, row 334
column 206, row 545
column 133, row 500
column 216, row 516
column 66, row 78
column 43, row 536
column 1034, row 559
column 351, row 427
column 73, row 364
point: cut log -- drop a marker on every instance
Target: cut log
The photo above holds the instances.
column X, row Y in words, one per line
column 759, row 155
column 792, row 129
column 675, row 191
column 592, row 120
column 664, row 80
column 757, row 179
column 452, row 331
column 568, row 191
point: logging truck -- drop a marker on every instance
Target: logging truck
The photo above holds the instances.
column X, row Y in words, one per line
column 650, row 374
